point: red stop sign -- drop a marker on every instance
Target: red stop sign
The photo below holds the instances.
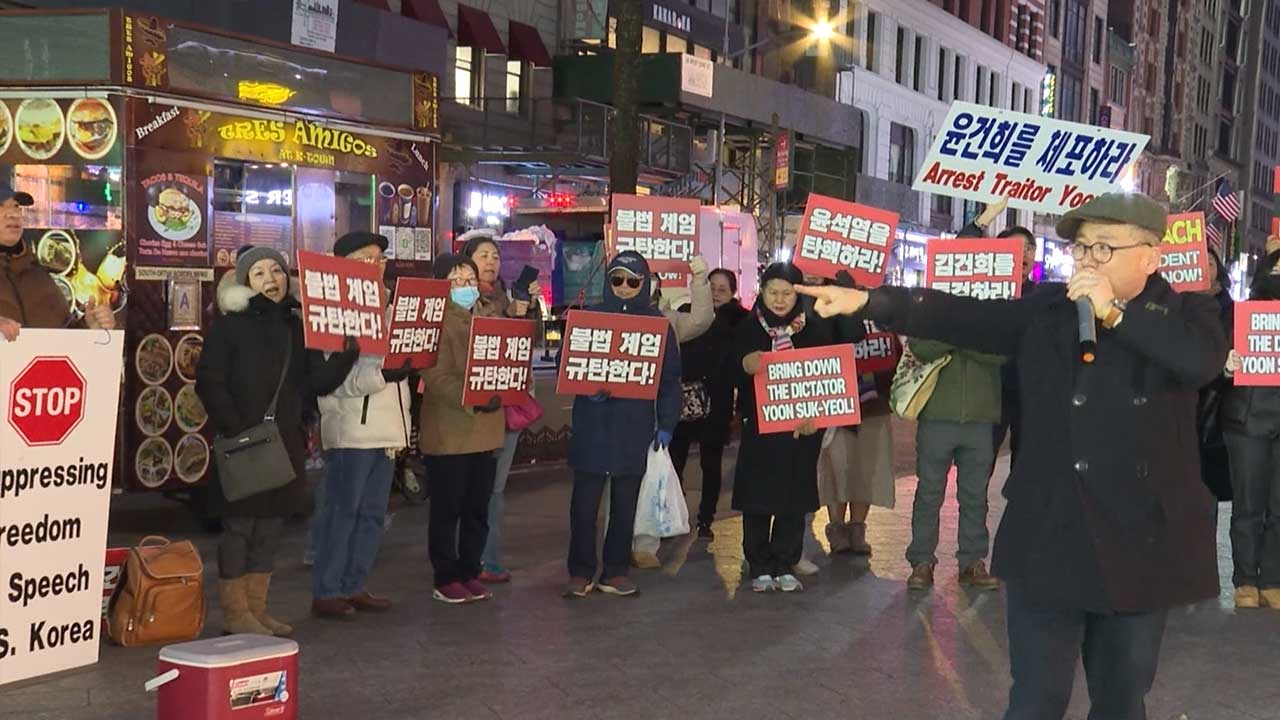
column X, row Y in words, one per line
column 46, row 401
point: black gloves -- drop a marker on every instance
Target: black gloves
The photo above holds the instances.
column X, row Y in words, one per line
column 494, row 405
column 402, row 373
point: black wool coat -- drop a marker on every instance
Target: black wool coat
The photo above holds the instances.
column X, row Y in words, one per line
column 1106, row 510
column 704, row 358
column 237, row 376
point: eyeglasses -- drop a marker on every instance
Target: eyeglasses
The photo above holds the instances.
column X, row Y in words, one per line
column 463, row 281
column 1100, row 252
column 633, row 283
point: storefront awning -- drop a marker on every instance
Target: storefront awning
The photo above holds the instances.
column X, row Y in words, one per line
column 526, row 44
column 476, row 30
column 426, row 11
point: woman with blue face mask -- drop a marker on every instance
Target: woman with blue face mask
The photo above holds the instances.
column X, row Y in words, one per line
column 458, row 445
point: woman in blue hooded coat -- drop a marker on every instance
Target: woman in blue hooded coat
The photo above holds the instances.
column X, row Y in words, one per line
column 611, row 442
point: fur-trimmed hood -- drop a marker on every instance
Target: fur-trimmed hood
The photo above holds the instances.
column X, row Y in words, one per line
column 234, row 297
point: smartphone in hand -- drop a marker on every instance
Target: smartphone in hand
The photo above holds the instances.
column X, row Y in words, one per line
column 520, row 291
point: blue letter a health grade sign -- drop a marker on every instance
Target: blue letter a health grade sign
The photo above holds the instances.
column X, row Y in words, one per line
column 1041, row 164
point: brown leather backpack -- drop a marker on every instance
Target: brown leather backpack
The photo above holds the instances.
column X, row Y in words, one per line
column 160, row 598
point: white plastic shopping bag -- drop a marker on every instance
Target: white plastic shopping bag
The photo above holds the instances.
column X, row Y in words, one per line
column 661, row 510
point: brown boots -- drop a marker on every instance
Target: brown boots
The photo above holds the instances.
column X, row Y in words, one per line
column 848, row 538
column 244, row 607
column 258, row 586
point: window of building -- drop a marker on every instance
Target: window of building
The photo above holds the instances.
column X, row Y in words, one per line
column 901, row 153
column 942, row 205
column 1231, row 41
column 1228, row 90
column 988, row 21
column 468, row 76
column 1026, row 101
column 650, row 41
column 1033, row 47
column 873, row 44
column 942, row 74
column 1116, row 86
column 917, row 66
column 900, row 57
column 1055, row 18
column 1099, row 36
column 1015, row 98
column 1224, row 138
column 957, row 87
column 515, row 87
column 1093, row 106
column 993, row 90
column 1073, row 41
column 676, row 44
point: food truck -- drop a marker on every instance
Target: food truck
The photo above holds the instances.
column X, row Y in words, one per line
column 155, row 149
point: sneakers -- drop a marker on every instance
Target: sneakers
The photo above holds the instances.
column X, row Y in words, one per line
column 620, row 586
column 921, row 577
column 705, row 532
column 764, row 583
column 977, row 577
column 476, row 590
column 366, row 601
column 858, row 538
column 577, row 587
column 838, row 537
column 494, row 574
column 645, row 560
column 333, row 609
column 1248, row 598
column 452, row 594
column 788, row 583
column 805, row 567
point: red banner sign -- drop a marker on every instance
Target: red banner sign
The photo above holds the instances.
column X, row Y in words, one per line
column 662, row 229
column 499, row 361
column 982, row 268
column 1184, row 260
column 619, row 354
column 1257, row 341
column 818, row 384
column 342, row 298
column 839, row 235
column 416, row 316
column 878, row 352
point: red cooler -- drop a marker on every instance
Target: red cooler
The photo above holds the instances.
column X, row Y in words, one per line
column 238, row 677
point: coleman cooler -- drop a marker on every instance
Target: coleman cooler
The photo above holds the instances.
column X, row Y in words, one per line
column 238, row 677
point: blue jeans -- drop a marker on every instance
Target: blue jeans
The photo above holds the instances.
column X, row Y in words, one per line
column 349, row 523
column 497, row 501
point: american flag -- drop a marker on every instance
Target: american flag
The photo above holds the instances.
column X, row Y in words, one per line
column 1227, row 203
column 1215, row 238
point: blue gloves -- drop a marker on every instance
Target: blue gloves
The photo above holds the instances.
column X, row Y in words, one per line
column 662, row 440
column 600, row 396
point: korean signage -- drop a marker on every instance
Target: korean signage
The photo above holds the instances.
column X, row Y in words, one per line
column 59, row 391
column 499, row 362
column 1257, row 340
column 342, row 298
column 662, row 229
column 840, row 235
column 878, row 352
column 417, row 312
column 1042, row 164
column 782, row 160
column 618, row 354
column 1184, row 260
column 315, row 24
column 981, row 268
column 818, row 384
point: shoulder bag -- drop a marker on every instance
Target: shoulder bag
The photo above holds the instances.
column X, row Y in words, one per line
column 913, row 383
column 256, row 460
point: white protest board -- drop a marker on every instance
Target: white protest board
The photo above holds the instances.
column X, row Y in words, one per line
column 1039, row 163
column 60, row 395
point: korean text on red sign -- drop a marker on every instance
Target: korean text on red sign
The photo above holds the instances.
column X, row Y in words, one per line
column 619, row 354
column 662, row 229
column 839, row 235
column 981, row 268
column 499, row 361
column 1184, row 258
column 878, row 352
column 818, row 384
column 342, row 298
column 1039, row 163
column 1257, row 340
column 417, row 312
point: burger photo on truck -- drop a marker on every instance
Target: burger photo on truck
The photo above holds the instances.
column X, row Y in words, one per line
column 91, row 123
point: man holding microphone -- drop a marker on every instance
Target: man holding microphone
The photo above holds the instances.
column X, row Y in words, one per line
column 1107, row 524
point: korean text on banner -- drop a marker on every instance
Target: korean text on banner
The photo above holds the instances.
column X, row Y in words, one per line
column 619, row 354
column 878, row 352
column 342, row 298
column 417, row 312
column 818, row 384
column 499, row 362
column 839, row 235
column 1184, row 260
column 1257, row 340
column 981, row 268
column 60, row 392
column 662, row 229
column 1039, row 163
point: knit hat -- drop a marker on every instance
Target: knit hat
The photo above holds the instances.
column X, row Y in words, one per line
column 446, row 263
column 251, row 257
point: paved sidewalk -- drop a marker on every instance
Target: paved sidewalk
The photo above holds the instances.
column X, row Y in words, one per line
column 696, row 643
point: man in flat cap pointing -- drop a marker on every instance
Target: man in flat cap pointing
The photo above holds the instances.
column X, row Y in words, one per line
column 1107, row 524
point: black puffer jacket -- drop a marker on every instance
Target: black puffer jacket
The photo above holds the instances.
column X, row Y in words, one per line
column 1255, row 411
column 238, row 372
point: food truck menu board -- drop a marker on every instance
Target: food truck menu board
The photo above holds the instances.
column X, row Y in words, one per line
column 60, row 131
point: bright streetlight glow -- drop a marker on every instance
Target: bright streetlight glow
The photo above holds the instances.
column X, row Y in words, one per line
column 822, row 31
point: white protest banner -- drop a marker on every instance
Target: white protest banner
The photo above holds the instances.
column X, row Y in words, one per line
column 60, row 394
column 1039, row 163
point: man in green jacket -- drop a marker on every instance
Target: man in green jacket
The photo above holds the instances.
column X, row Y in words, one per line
column 955, row 426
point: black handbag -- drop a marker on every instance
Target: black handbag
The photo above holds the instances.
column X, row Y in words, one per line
column 696, row 401
column 256, row 460
column 1215, row 463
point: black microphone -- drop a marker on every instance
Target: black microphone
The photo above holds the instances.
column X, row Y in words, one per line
column 1088, row 332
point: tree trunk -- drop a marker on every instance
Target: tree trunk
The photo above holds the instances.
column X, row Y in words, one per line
column 624, row 141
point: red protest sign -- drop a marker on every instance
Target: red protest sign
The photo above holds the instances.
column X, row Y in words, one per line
column 878, row 352
column 1184, row 259
column 840, row 235
column 620, row 354
column 818, row 384
column 1257, row 341
column 417, row 312
column 982, row 268
column 662, row 229
column 499, row 361
column 342, row 298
